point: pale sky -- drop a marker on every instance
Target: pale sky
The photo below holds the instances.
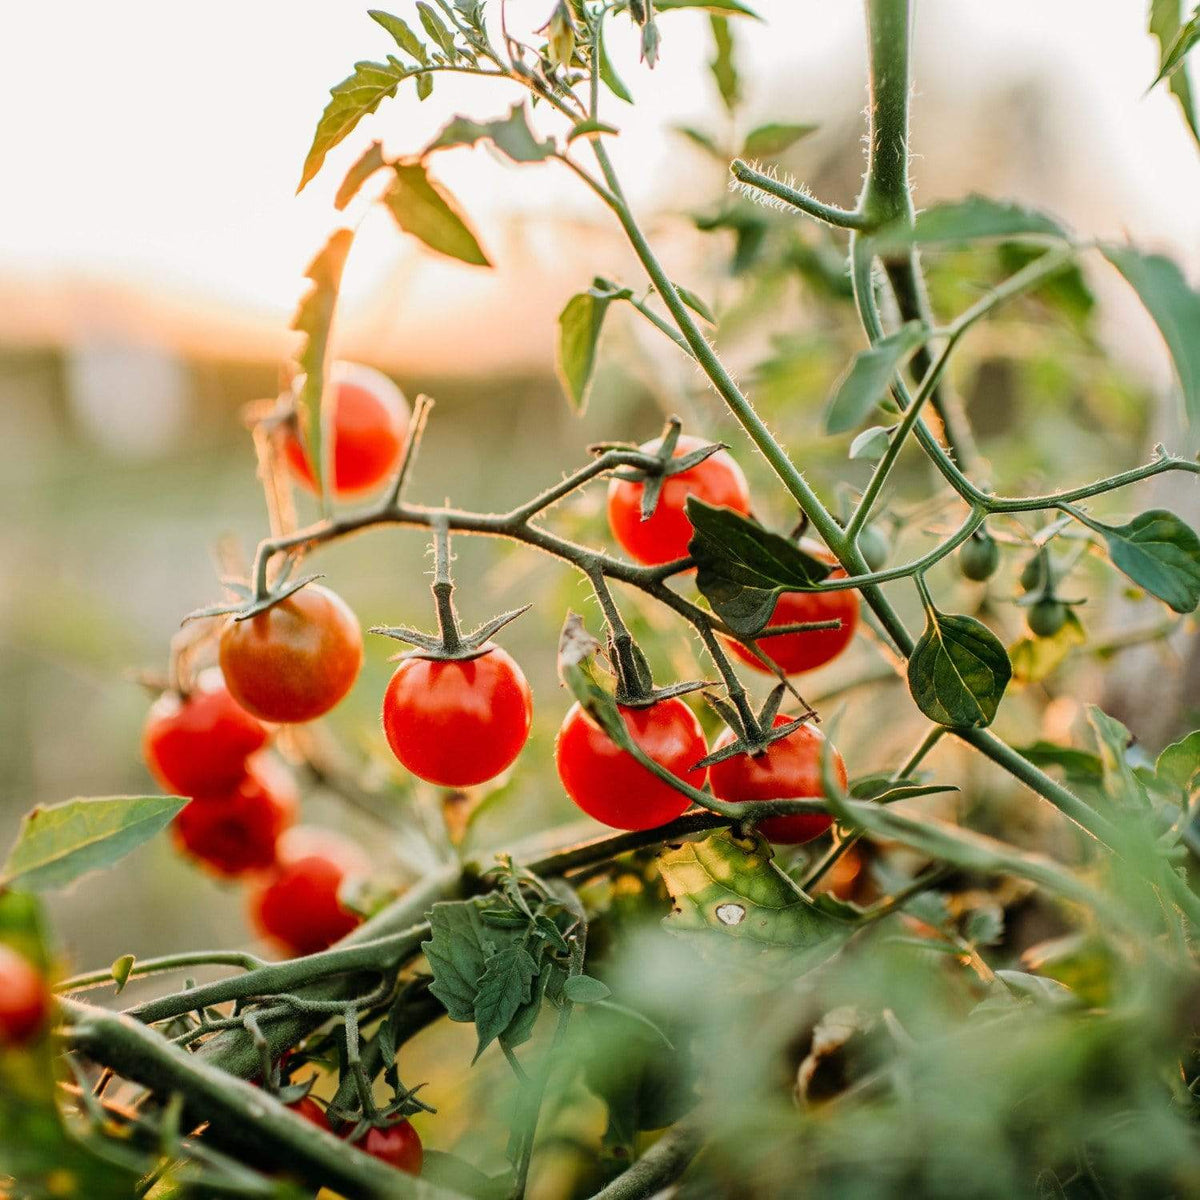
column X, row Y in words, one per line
column 162, row 143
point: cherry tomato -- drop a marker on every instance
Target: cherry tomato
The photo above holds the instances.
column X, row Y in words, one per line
column 979, row 556
column 368, row 419
column 789, row 769
column 24, row 998
column 397, row 1145
column 665, row 536
column 236, row 831
column 1046, row 617
column 297, row 659
column 458, row 722
column 298, row 907
column 200, row 743
column 796, row 652
column 609, row 784
column 311, row 1111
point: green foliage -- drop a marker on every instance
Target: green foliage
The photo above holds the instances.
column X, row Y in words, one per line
column 1157, row 551
column 510, row 134
column 773, row 138
column 423, row 208
column 866, row 380
column 1166, row 26
column 976, row 218
column 579, row 326
column 59, row 843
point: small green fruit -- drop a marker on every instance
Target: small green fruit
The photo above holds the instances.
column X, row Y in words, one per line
column 979, row 557
column 875, row 546
column 1031, row 573
column 1046, row 617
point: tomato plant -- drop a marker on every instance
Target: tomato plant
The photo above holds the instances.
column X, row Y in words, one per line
column 959, row 961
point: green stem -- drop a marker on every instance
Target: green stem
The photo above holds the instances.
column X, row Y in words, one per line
column 167, row 962
column 663, row 1163
column 752, row 180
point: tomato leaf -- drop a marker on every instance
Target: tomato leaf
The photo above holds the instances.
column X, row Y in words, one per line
column 1175, row 307
column 728, row 8
column 1180, row 46
column 974, row 219
column 729, row 885
column 959, row 670
column 1077, row 765
column 504, row 986
column 583, row 989
column 866, row 380
column 1179, row 763
column 1166, row 21
column 510, row 134
column 59, row 843
column 404, row 36
column 872, row 443
column 766, row 141
column 421, row 207
column 370, row 161
column 579, row 326
column 724, row 69
column 351, row 100
column 1159, row 552
column 743, row 568
column 314, row 319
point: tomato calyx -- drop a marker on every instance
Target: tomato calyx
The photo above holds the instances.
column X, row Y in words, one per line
column 434, row 646
column 248, row 604
column 660, row 464
column 753, row 737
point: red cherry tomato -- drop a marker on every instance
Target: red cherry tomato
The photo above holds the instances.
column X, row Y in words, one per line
column 789, row 769
column 796, row 652
column 457, row 723
column 24, row 998
column 368, row 418
column 397, row 1145
column 665, row 536
column 298, row 907
column 297, row 659
column 610, row 784
column 311, row 1111
column 200, row 743
column 236, row 831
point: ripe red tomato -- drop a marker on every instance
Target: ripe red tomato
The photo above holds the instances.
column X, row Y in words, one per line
column 665, row 536
column 459, row 722
column 297, row 659
column 311, row 1111
column 796, row 652
column 368, row 420
column 200, row 743
column 397, row 1145
column 298, row 907
column 789, row 769
column 609, row 784
column 236, row 831
column 24, row 998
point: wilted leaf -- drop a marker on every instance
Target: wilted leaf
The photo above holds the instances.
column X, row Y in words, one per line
column 730, row 885
column 369, row 162
column 1159, row 552
column 423, row 209
column 866, row 380
column 510, row 134
column 59, row 843
column 1175, row 307
column 743, row 568
column 958, row 671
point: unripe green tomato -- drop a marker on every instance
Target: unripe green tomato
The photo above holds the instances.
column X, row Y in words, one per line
column 1031, row 573
column 979, row 557
column 875, row 546
column 1046, row 617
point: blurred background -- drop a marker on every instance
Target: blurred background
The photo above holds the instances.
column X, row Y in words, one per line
column 151, row 256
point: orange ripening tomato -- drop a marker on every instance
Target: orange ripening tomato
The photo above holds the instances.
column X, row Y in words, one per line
column 298, row 906
column 24, row 999
column 397, row 1145
column 296, row 660
column 368, row 419
column 788, row 769
column 797, row 652
column 458, row 722
column 609, row 784
column 200, row 742
column 664, row 537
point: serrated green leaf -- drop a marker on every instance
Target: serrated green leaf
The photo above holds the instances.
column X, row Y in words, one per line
column 403, row 35
column 974, row 219
column 421, row 207
column 59, row 843
column 727, row 885
column 505, row 985
column 314, row 320
column 349, row 101
column 872, row 443
column 1166, row 20
column 766, row 141
column 1175, row 307
column 742, row 568
column 579, row 326
column 583, row 989
column 510, row 134
column 368, row 163
column 1179, row 763
column 866, row 380
column 437, row 29
column 1159, row 552
column 959, row 670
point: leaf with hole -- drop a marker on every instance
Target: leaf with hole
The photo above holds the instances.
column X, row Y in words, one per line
column 959, row 670
column 742, row 568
